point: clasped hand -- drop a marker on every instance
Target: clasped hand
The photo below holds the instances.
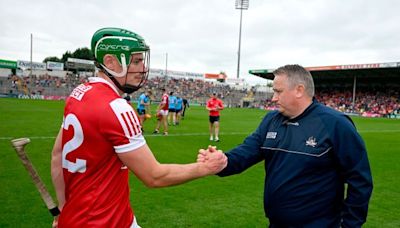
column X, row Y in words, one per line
column 214, row 160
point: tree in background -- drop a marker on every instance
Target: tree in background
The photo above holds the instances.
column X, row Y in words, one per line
column 83, row 53
column 65, row 56
column 52, row 58
column 80, row 53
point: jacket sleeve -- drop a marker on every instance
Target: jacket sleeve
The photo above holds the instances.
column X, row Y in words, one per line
column 354, row 167
column 248, row 153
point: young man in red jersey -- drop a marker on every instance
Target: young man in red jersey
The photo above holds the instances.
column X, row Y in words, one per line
column 214, row 105
column 162, row 112
column 101, row 139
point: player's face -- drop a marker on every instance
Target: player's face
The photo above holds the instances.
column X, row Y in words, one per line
column 136, row 69
column 284, row 96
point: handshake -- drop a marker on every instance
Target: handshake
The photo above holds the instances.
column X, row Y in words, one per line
column 211, row 160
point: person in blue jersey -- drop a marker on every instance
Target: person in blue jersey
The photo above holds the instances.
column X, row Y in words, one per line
column 171, row 109
column 178, row 109
column 316, row 164
column 143, row 103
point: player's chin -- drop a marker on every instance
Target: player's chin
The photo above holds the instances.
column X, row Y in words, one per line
column 133, row 82
column 136, row 76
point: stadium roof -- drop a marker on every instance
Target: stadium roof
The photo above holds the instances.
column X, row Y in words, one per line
column 370, row 70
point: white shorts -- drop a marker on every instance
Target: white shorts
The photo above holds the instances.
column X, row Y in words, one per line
column 164, row 112
column 134, row 223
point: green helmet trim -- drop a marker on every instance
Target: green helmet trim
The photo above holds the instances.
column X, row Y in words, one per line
column 118, row 42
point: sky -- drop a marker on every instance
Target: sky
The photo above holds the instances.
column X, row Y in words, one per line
column 202, row 36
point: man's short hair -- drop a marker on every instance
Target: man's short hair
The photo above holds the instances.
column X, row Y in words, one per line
column 297, row 75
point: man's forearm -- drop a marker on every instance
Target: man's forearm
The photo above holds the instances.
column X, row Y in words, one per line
column 59, row 185
column 174, row 174
column 57, row 171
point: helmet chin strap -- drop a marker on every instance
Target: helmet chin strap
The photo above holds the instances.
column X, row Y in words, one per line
column 126, row 88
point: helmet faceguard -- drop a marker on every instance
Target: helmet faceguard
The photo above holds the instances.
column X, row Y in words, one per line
column 122, row 44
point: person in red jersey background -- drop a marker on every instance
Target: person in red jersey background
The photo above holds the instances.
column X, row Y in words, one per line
column 162, row 112
column 214, row 105
column 101, row 140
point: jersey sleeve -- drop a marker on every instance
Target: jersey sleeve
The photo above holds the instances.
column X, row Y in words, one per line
column 221, row 104
column 208, row 104
column 122, row 127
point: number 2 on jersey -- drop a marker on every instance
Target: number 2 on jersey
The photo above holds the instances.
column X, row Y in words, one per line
column 80, row 164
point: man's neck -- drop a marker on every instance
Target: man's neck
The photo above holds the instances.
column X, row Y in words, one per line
column 302, row 107
column 103, row 76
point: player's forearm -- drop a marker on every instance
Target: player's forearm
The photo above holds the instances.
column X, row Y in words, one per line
column 59, row 185
column 57, row 172
column 174, row 174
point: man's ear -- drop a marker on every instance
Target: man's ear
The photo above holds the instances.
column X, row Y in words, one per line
column 109, row 61
column 300, row 90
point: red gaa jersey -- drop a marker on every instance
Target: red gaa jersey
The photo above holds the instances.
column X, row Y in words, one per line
column 214, row 103
column 165, row 101
column 97, row 125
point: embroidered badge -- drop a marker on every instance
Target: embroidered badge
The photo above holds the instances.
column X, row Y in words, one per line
column 311, row 142
column 271, row 135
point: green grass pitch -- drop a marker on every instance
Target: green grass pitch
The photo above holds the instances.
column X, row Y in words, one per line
column 234, row 201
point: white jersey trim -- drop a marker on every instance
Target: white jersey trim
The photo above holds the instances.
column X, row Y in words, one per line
column 102, row 80
column 298, row 152
column 130, row 125
column 139, row 141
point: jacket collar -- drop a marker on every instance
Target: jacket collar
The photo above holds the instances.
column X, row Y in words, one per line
column 304, row 113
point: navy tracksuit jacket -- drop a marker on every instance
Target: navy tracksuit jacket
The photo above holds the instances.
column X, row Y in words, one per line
column 308, row 160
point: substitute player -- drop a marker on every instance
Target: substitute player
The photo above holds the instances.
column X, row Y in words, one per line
column 100, row 140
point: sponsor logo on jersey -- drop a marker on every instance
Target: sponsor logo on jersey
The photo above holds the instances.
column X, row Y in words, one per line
column 271, row 135
column 311, row 142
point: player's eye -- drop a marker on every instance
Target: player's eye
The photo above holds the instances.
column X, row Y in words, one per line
column 137, row 61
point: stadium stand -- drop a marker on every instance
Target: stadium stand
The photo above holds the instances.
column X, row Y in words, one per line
column 195, row 90
column 370, row 90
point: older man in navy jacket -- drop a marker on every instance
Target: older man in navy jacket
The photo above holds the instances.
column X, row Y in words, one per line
column 310, row 153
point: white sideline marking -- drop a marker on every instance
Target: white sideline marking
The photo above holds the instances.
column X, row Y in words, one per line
column 145, row 135
column 196, row 134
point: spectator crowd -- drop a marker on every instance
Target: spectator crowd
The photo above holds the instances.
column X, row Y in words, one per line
column 367, row 102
